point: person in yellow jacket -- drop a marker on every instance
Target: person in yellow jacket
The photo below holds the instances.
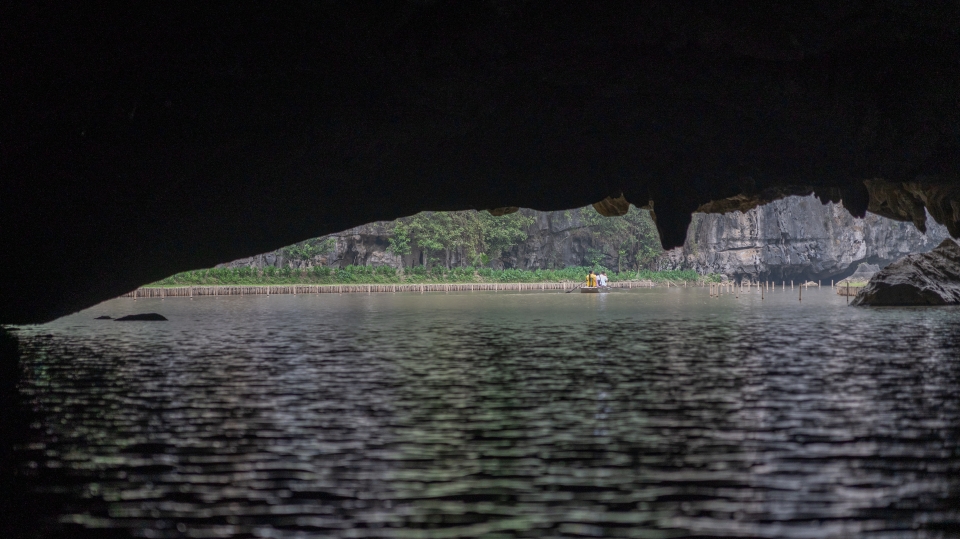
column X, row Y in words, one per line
column 591, row 279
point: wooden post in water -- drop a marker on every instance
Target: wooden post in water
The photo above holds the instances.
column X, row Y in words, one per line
column 801, row 293
column 848, row 293
column 791, row 284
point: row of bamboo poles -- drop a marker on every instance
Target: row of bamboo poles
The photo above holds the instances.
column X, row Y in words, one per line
column 244, row 290
column 761, row 287
column 729, row 287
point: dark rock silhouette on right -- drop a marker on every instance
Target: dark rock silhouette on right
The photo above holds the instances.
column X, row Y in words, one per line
column 931, row 278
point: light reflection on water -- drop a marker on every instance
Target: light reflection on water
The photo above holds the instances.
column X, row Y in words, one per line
column 648, row 413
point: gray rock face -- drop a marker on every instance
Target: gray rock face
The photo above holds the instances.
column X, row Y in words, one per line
column 796, row 238
column 556, row 239
column 931, row 278
column 365, row 245
column 793, row 238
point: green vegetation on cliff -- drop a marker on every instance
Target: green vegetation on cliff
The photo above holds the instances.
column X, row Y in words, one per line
column 633, row 237
column 418, row 274
column 472, row 237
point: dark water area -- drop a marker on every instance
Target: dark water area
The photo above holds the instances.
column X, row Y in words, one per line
column 642, row 413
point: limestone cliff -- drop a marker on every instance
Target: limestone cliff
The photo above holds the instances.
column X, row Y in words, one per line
column 555, row 239
column 792, row 238
column 796, row 238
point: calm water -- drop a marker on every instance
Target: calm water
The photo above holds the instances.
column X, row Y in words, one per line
column 648, row 413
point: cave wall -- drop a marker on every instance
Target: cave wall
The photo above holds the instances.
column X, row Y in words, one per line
column 796, row 238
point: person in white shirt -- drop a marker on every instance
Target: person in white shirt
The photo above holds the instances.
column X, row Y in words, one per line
column 602, row 279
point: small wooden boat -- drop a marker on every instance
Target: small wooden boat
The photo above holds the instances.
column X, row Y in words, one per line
column 594, row 289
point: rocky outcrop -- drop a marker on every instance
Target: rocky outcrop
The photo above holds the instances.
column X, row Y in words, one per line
column 365, row 245
column 914, row 201
column 796, row 238
column 145, row 317
column 931, row 278
column 612, row 207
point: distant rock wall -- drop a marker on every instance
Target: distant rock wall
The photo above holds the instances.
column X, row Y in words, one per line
column 365, row 245
column 556, row 239
column 792, row 238
column 796, row 238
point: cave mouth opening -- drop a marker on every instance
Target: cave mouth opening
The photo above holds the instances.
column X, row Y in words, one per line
column 789, row 239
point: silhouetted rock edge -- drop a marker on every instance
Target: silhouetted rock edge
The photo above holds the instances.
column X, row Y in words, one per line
column 931, row 278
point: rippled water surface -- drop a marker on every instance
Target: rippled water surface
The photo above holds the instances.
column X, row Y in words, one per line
column 642, row 413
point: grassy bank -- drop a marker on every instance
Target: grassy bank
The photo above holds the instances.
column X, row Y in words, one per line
column 387, row 275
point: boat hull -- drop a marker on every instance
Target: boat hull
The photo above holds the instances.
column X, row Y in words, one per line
column 589, row 290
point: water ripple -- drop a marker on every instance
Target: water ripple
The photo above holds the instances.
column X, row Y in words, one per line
column 641, row 414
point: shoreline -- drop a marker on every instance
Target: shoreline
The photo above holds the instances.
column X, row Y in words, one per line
column 294, row 289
